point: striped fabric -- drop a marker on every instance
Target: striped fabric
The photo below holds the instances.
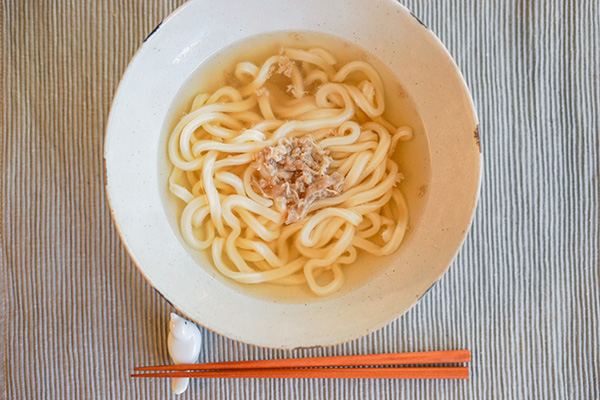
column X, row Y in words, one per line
column 523, row 294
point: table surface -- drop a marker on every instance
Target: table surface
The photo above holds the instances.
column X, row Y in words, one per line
column 523, row 294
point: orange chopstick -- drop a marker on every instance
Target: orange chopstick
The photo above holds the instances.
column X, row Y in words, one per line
column 323, row 373
column 426, row 357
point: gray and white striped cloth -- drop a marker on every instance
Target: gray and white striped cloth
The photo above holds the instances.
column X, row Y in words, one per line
column 523, row 294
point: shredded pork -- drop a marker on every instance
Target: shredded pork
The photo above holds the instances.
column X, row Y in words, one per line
column 285, row 66
column 294, row 173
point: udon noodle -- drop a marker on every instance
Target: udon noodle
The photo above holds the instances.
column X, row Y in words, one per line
column 294, row 94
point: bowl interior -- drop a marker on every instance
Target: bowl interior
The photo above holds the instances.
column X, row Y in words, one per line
column 412, row 156
column 441, row 166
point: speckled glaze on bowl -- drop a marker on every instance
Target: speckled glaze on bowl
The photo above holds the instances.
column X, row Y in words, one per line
column 200, row 29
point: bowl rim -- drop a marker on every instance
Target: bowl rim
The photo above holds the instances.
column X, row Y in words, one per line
column 114, row 198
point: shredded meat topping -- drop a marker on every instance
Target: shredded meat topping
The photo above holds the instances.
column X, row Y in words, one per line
column 285, row 66
column 294, row 173
column 262, row 91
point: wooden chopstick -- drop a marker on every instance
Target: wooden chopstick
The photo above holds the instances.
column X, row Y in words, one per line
column 427, row 357
column 323, row 373
column 321, row 367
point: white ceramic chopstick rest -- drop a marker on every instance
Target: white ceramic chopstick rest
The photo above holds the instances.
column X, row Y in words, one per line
column 184, row 343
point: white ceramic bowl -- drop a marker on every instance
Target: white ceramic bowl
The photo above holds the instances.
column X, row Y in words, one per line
column 137, row 169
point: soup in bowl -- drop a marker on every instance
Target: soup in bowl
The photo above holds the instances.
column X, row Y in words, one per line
column 296, row 182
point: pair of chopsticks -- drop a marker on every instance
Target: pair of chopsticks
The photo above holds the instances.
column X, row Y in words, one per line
column 372, row 366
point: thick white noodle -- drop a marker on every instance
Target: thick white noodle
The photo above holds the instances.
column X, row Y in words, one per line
column 212, row 149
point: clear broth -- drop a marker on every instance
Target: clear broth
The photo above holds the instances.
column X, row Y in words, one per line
column 412, row 156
